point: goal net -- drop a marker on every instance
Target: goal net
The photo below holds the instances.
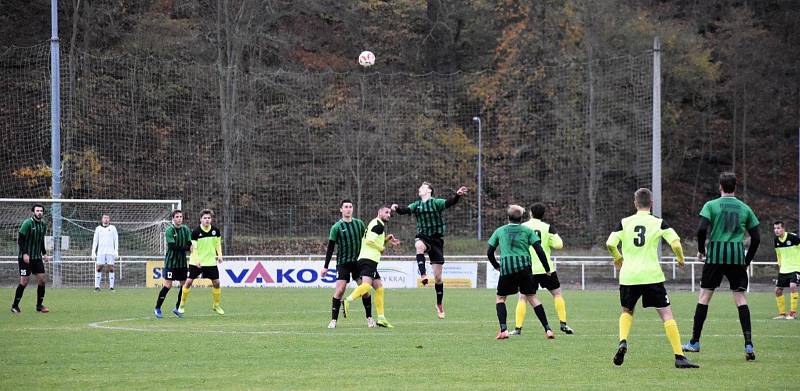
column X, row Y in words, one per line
column 140, row 225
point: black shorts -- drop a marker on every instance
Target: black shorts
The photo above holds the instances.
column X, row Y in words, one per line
column 784, row 279
column 434, row 246
column 210, row 272
column 547, row 282
column 368, row 268
column 176, row 274
column 521, row 282
column 35, row 266
column 346, row 271
column 713, row 273
column 653, row 295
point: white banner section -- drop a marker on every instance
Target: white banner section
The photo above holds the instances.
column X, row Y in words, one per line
column 491, row 276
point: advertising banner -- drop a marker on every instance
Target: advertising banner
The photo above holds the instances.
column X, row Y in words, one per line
column 454, row 275
column 304, row 274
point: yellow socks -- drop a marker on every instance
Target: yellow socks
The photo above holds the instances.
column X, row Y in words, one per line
column 184, row 295
column 625, row 323
column 519, row 317
column 215, row 295
column 793, row 301
column 561, row 308
column 378, row 300
column 674, row 337
column 781, row 305
column 360, row 291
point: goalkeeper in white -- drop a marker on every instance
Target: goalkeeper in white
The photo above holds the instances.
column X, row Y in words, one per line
column 105, row 250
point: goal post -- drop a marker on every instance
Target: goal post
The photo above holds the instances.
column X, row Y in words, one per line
column 140, row 225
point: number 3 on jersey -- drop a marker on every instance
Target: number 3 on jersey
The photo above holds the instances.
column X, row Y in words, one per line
column 638, row 240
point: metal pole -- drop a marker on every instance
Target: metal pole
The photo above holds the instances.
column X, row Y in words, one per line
column 480, row 155
column 656, row 127
column 55, row 138
column 583, row 276
column 798, row 179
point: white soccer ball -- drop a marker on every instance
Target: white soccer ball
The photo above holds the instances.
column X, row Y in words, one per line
column 366, row 59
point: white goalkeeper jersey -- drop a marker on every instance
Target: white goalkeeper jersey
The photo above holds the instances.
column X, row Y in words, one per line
column 105, row 241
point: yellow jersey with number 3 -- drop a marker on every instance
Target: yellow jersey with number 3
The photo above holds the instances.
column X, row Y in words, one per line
column 640, row 236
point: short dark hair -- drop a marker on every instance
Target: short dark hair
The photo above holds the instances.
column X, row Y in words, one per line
column 207, row 212
column 429, row 186
column 537, row 210
column 35, row 206
column 728, row 182
column 176, row 211
column 643, row 197
column 345, row 201
column 778, row 223
column 515, row 213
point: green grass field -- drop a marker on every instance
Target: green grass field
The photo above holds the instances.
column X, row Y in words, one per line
column 277, row 339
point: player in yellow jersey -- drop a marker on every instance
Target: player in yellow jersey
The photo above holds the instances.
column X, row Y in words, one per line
column 640, row 274
column 206, row 254
column 372, row 246
column 549, row 281
column 787, row 250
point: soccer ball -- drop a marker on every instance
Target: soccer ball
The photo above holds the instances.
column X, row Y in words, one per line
column 366, row 59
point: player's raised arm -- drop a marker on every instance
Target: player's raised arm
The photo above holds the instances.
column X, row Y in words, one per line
column 403, row 210
column 455, row 197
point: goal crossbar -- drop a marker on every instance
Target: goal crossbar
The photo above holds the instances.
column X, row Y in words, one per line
column 89, row 200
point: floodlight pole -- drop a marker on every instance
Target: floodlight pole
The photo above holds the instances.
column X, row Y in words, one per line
column 55, row 138
column 480, row 153
column 656, row 168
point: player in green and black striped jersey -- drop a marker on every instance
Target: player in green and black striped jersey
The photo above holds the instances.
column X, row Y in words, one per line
column 31, row 258
column 516, row 274
column 431, row 228
column 345, row 236
column 176, row 266
column 728, row 218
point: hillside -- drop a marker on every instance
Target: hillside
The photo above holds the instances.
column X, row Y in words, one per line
column 731, row 87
